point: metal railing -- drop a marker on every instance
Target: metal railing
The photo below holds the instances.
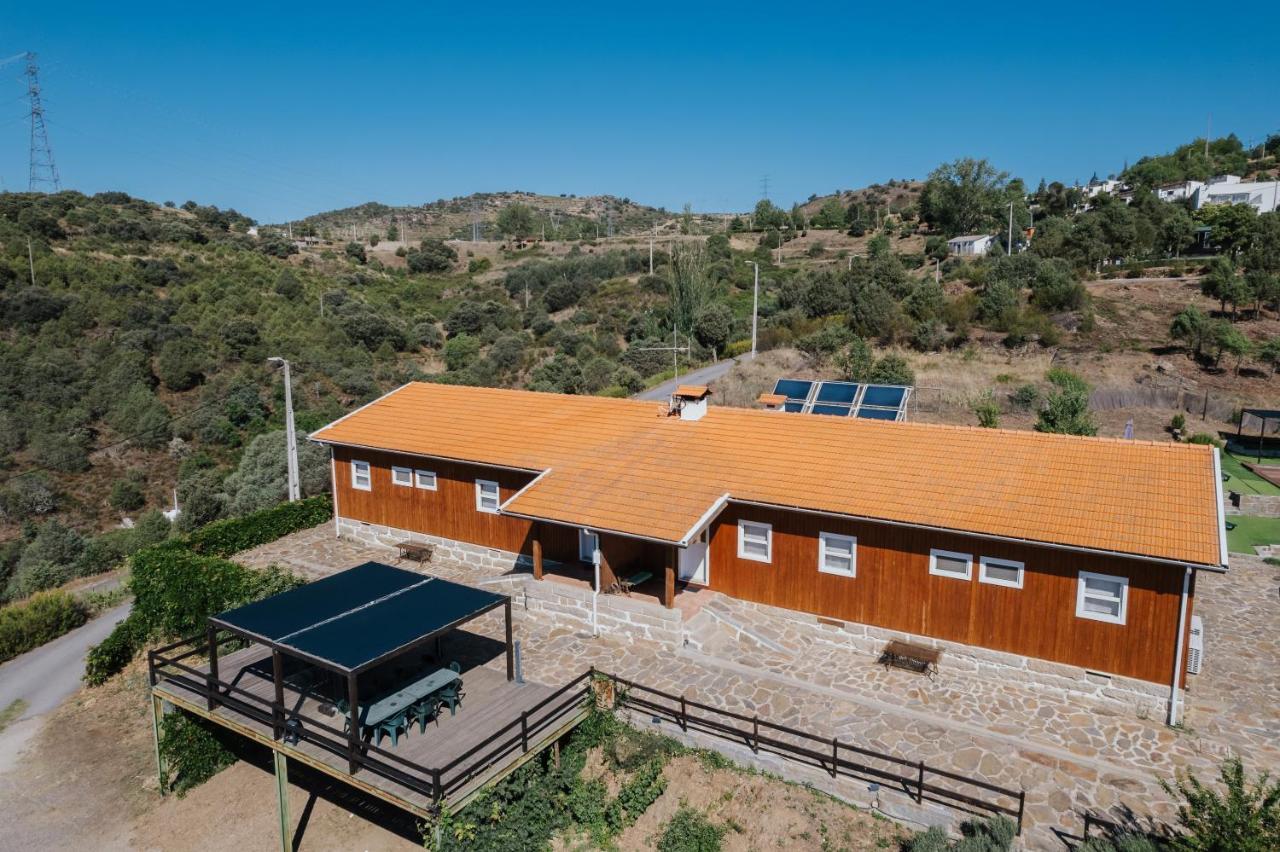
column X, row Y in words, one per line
column 916, row 778
column 514, row 737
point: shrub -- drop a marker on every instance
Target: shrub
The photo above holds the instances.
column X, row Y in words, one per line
column 1178, row 423
column 41, row 618
column 1244, row 817
column 987, row 411
column 112, row 654
column 690, row 831
column 223, row 538
column 126, row 495
column 191, row 751
column 1025, row 397
column 1204, row 438
column 987, row 835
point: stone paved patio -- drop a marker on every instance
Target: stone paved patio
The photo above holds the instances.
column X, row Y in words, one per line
column 1071, row 755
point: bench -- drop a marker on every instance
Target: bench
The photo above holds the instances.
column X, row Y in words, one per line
column 415, row 550
column 916, row 658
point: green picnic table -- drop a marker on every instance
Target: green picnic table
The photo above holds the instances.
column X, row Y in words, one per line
column 391, row 712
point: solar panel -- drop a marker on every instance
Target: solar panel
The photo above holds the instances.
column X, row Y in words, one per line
column 844, row 399
column 793, row 388
column 888, row 396
column 842, row 392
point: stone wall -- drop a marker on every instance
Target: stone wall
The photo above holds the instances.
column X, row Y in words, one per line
column 765, row 625
column 1265, row 505
column 617, row 615
column 488, row 559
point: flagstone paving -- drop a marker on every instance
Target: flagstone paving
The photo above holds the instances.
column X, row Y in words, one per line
column 1071, row 755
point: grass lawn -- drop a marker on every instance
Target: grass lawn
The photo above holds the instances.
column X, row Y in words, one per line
column 1245, row 481
column 1251, row 531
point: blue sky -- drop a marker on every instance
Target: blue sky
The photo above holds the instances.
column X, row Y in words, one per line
column 284, row 111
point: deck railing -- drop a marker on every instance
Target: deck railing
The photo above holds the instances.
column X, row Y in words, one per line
column 435, row 783
column 915, row 778
column 836, row 758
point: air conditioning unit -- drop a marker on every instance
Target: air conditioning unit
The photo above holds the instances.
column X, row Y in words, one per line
column 1195, row 651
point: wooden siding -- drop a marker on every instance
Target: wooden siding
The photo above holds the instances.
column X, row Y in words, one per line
column 450, row 512
column 894, row 589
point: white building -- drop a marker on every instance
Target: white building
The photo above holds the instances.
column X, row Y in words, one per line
column 971, row 246
column 1262, row 196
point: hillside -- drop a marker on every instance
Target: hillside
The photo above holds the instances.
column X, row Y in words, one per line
column 558, row 217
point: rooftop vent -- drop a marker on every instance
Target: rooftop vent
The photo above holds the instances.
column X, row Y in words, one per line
column 690, row 401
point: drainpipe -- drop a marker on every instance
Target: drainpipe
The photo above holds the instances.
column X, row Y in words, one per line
column 1175, row 715
column 595, row 589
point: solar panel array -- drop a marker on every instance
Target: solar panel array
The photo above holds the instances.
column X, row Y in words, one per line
column 844, row 399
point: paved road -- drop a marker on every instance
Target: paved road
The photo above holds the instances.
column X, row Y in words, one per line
column 45, row 676
column 700, row 376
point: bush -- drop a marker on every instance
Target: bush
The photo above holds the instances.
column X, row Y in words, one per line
column 987, row 835
column 191, row 751
column 223, row 538
column 1245, row 817
column 690, row 831
column 987, row 411
column 41, row 618
column 1204, row 438
column 112, row 654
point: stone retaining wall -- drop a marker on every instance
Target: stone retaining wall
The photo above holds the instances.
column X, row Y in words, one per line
column 489, row 559
column 617, row 615
column 1142, row 698
column 1265, row 505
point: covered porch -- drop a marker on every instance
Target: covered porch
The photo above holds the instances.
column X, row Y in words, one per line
column 640, row 568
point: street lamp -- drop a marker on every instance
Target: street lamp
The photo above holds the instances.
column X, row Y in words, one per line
column 290, row 437
column 755, row 305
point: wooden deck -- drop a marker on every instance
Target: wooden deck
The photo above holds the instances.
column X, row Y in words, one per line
column 500, row 725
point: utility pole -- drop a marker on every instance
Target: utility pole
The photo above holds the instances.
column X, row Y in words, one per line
column 755, row 306
column 651, row 251
column 290, row 437
column 1008, row 249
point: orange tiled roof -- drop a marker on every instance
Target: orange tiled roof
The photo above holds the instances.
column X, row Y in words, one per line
column 692, row 391
column 625, row 466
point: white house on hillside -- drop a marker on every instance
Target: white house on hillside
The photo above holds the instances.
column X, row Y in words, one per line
column 972, row 245
column 1263, row 196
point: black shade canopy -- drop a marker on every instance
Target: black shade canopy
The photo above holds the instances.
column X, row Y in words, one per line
column 359, row 617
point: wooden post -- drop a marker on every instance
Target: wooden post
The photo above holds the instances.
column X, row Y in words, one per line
column 669, row 582
column 555, row 754
column 511, row 660
column 524, row 730
column 353, row 734
column 835, row 756
column 212, row 681
column 920, row 784
column 537, row 552
column 277, row 708
column 157, row 714
column 282, row 801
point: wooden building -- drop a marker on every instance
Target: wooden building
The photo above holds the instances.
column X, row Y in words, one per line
column 1081, row 551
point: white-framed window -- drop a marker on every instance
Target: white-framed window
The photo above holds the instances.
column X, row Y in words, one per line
column 425, row 479
column 755, row 541
column 587, row 544
column 402, row 476
column 1000, row 572
column 948, row 563
column 487, row 497
column 361, row 476
column 837, row 554
column 1102, row 597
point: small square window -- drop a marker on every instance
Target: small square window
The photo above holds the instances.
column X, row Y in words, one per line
column 1000, row 572
column 837, row 554
column 487, row 496
column 361, row 476
column 402, row 476
column 425, row 479
column 947, row 563
column 755, row 541
column 1102, row 597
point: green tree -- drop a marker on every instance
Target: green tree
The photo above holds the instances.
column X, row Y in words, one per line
column 1224, row 284
column 1269, row 353
column 460, row 351
column 855, row 361
column 261, row 480
column 1066, row 408
column 142, row 418
column 515, row 220
column 689, row 285
column 892, row 370
column 1191, row 326
column 1232, row 226
column 712, row 325
column 831, row 215
column 963, row 197
column 355, row 251
column 432, row 256
column 181, row 364
column 1243, row 816
column 1226, row 339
